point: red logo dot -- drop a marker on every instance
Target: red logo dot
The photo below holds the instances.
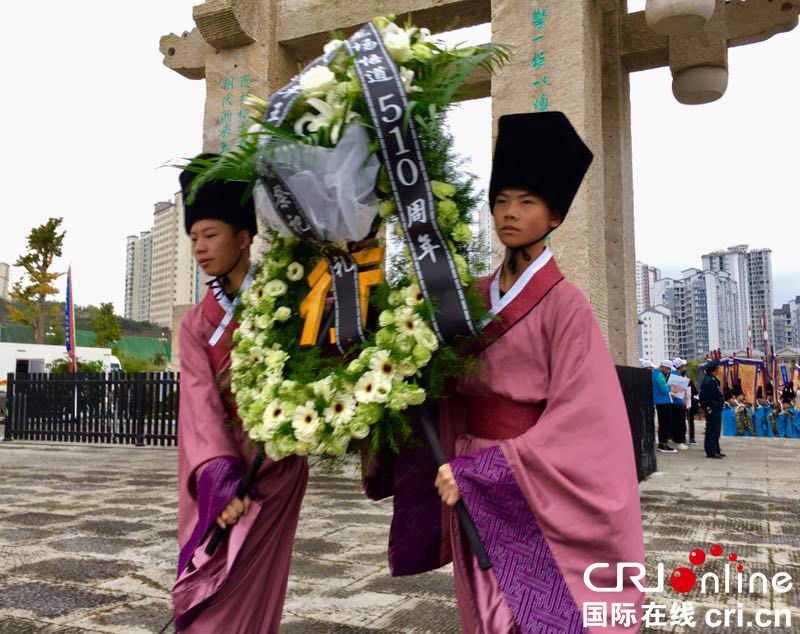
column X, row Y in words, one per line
column 697, row 557
column 740, row 567
column 732, row 557
column 682, row 580
column 716, row 550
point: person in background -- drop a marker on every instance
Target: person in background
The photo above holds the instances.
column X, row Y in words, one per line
column 663, row 402
column 694, row 403
column 678, row 410
column 712, row 402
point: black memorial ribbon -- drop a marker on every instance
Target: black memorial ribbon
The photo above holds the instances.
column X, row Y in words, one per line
column 343, row 268
column 402, row 155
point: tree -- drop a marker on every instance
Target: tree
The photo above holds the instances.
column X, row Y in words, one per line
column 105, row 325
column 44, row 245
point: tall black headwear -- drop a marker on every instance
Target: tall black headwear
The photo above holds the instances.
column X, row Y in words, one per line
column 228, row 201
column 541, row 153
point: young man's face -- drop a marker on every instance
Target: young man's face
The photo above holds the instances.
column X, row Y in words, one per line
column 520, row 217
column 216, row 245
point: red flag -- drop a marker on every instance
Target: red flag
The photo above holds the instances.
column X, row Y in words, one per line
column 69, row 325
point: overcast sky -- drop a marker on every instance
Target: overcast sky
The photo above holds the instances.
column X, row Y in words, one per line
column 91, row 113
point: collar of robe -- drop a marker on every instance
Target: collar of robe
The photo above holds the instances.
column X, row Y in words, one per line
column 227, row 305
column 498, row 302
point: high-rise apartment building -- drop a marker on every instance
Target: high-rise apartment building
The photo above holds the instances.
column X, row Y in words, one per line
column 5, row 280
column 759, row 270
column 137, row 276
column 786, row 321
column 646, row 277
column 160, row 270
column 173, row 278
column 734, row 262
column 656, row 335
column 703, row 308
column 752, row 271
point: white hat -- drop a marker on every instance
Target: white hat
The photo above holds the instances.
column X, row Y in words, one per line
column 646, row 363
column 678, row 362
column 667, row 364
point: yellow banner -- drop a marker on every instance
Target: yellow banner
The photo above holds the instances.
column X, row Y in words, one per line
column 747, row 375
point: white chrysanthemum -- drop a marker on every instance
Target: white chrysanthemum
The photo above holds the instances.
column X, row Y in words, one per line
column 462, row 233
column 263, row 322
column 372, row 387
column 341, row 410
column 425, row 337
column 282, row 313
column 323, row 388
column 385, row 318
column 355, row 366
column 398, row 43
column 294, row 272
column 359, row 430
column 382, row 363
column 412, row 295
column 318, row 80
column 406, row 322
column 332, row 46
column 404, row 344
column 338, row 444
column 276, row 413
column 276, row 359
column 275, row 288
column 305, row 422
column 406, row 367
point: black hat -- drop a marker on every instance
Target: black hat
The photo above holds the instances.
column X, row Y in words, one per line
column 218, row 200
column 541, row 153
column 712, row 365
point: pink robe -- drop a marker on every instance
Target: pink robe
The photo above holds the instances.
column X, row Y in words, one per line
column 545, row 465
column 544, row 460
column 242, row 587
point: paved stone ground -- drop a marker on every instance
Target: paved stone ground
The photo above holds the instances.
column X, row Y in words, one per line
column 87, row 540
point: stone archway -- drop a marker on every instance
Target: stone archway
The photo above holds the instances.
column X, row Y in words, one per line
column 569, row 55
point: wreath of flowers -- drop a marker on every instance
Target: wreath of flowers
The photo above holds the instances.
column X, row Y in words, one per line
column 297, row 400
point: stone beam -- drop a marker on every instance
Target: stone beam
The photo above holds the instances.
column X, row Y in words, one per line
column 304, row 25
column 226, row 23
column 735, row 24
column 186, row 54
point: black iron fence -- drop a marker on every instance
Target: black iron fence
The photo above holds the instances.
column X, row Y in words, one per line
column 637, row 389
column 122, row 408
column 142, row 409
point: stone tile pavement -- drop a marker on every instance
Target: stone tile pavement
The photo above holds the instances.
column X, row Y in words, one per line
column 87, row 540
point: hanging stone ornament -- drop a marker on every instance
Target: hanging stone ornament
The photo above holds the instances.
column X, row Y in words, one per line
column 675, row 17
column 699, row 84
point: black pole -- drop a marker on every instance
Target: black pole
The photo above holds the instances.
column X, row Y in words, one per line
column 464, row 520
column 244, row 486
column 9, row 424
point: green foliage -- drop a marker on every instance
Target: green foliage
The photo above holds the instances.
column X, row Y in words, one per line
column 61, row 366
column 134, row 364
column 30, row 292
column 106, row 326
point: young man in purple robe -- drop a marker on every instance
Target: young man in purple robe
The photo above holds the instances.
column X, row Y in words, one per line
column 241, row 588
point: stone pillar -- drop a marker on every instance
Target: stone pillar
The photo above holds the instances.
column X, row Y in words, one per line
column 620, row 264
column 556, row 65
column 246, row 58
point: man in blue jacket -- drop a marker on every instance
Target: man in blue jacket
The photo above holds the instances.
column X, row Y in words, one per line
column 663, row 402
